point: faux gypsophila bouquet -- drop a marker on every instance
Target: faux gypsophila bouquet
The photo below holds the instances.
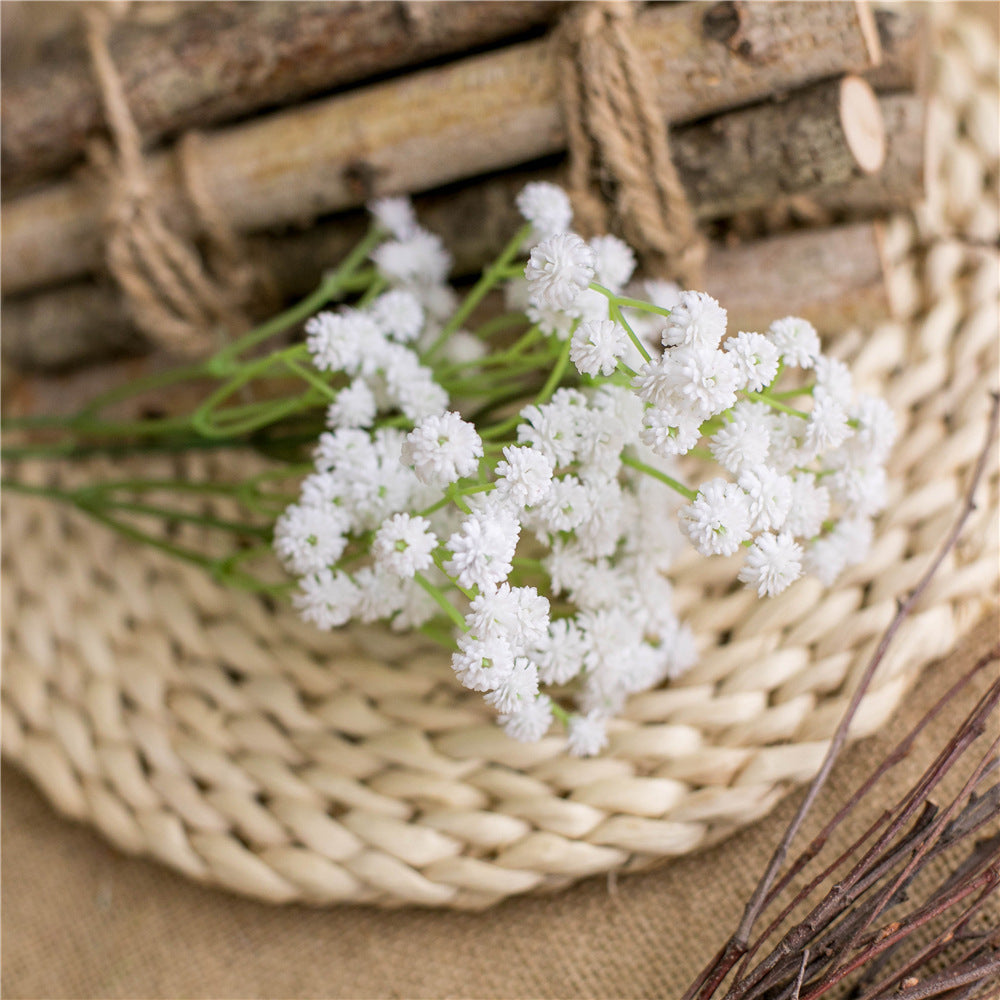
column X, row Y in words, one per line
column 513, row 490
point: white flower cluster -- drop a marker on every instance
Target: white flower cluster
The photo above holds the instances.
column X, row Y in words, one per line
column 547, row 545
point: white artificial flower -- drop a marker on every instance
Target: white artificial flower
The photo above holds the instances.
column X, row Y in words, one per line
column 417, row 607
column 756, row 359
column 398, row 314
column 519, row 614
column 846, row 544
column 597, row 346
column 667, row 435
column 696, row 320
column 547, row 207
column 443, row 449
column 565, row 506
column 482, row 548
column 418, row 259
column 796, row 340
column 552, row 322
column 341, row 341
column 308, row 539
column 481, row 664
column 833, row 377
column 354, row 407
column 554, row 427
column 380, row 594
column 861, row 488
column 614, row 262
column 827, row 426
column 327, row 599
column 404, row 545
column 530, row 721
column 516, row 688
column 524, row 476
column 560, row 652
column 876, row 430
column 463, row 347
column 395, row 216
column 741, row 443
column 558, row 269
column 773, row 563
column 809, row 509
column 718, row 520
column 566, row 566
column 587, row 734
column 770, row 496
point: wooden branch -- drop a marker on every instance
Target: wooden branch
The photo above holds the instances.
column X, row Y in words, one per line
column 904, row 34
column 218, row 61
column 489, row 112
column 825, row 135
column 831, row 276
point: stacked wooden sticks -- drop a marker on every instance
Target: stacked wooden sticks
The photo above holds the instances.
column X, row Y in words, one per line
column 817, row 103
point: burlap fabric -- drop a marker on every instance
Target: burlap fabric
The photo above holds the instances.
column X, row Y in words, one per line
column 81, row 920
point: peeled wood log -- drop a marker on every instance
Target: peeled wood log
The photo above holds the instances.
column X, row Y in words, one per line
column 833, row 276
column 825, row 134
column 214, row 62
column 902, row 181
column 485, row 113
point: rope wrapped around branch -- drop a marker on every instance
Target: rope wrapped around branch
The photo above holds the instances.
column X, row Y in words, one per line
column 621, row 177
column 184, row 301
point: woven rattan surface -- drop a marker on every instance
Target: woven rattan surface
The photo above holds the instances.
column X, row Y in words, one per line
column 244, row 748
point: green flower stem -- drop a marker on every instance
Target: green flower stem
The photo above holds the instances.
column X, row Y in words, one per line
column 312, row 377
column 502, row 322
column 560, row 713
column 775, row 404
column 626, row 303
column 452, row 493
column 375, row 289
column 555, row 376
column 491, row 276
column 438, row 633
column 442, row 601
column 528, row 339
column 806, row 390
column 618, row 316
column 332, row 286
column 634, row 463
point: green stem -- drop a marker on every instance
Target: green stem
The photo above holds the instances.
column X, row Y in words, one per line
column 618, row 317
column 331, row 286
column 555, row 376
column 490, row 277
column 661, row 476
column 775, row 404
column 442, row 602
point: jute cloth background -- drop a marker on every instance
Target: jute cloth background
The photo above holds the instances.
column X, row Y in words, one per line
column 81, row 920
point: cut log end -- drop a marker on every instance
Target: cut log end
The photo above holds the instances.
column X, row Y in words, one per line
column 863, row 124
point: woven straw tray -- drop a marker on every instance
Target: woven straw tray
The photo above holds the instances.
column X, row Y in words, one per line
column 246, row 749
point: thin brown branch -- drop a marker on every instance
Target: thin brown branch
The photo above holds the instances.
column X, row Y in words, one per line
column 709, row 980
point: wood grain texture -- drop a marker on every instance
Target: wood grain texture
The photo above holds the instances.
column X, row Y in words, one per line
column 486, row 113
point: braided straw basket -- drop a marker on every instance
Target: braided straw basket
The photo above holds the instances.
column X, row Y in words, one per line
column 246, row 749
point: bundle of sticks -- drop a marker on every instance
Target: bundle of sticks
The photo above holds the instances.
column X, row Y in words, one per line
column 306, row 110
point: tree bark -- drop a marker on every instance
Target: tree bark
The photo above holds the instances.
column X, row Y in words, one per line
column 904, row 35
column 826, row 134
column 831, row 276
column 902, row 181
column 485, row 113
column 214, row 62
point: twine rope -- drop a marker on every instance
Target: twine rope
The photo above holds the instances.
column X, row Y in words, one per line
column 621, row 176
column 183, row 301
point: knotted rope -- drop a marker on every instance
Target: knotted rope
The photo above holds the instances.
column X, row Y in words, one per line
column 621, row 176
column 184, row 301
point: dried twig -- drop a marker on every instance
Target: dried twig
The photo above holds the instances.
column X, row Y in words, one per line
column 738, row 945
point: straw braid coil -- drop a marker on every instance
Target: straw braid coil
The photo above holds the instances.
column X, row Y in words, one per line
column 246, row 749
